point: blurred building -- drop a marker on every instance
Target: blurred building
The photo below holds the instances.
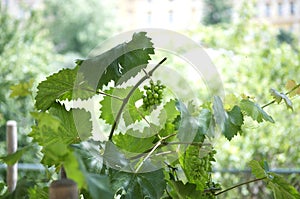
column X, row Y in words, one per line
column 170, row 14
column 187, row 14
column 284, row 14
column 182, row 14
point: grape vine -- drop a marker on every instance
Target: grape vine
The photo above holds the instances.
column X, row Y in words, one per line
column 140, row 162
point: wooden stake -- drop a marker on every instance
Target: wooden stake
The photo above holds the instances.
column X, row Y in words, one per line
column 63, row 189
column 12, row 146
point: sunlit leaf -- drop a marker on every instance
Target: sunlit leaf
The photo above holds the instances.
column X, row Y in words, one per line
column 254, row 111
column 230, row 122
column 290, row 85
column 66, row 84
column 279, row 96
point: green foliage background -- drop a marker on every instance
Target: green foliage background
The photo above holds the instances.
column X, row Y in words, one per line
column 79, row 25
column 252, row 60
column 25, row 56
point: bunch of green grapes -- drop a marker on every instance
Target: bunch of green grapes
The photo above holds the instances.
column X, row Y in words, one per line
column 198, row 166
column 153, row 94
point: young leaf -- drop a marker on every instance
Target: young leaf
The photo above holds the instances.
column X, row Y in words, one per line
column 279, row 96
column 139, row 185
column 230, row 122
column 254, row 111
column 290, row 85
column 22, row 89
column 119, row 63
column 257, row 169
column 66, row 84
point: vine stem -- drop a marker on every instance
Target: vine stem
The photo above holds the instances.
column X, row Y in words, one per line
column 238, row 185
column 126, row 99
column 273, row 101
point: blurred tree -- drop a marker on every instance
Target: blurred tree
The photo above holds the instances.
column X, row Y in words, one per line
column 78, row 25
column 285, row 37
column 25, row 56
column 216, row 11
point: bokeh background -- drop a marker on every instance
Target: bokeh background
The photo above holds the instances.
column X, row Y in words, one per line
column 254, row 45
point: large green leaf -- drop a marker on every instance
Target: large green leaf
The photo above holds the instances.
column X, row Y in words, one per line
column 57, row 129
column 139, row 185
column 76, row 123
column 66, row 84
column 133, row 144
column 119, row 63
column 230, row 122
column 255, row 111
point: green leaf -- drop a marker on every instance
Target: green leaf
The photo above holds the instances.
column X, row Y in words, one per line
column 73, row 169
column 230, row 122
column 133, row 144
column 254, row 111
column 22, row 89
column 139, row 185
column 113, row 157
column 57, row 129
column 15, row 157
column 206, row 123
column 279, row 96
column 281, row 188
column 119, row 63
column 98, row 185
column 188, row 126
column 183, row 191
column 76, row 123
column 257, row 169
column 66, row 84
